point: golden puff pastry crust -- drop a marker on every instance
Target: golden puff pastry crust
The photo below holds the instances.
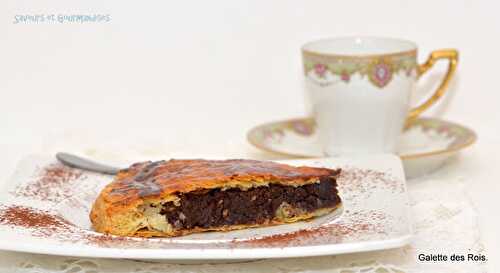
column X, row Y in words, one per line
column 178, row 197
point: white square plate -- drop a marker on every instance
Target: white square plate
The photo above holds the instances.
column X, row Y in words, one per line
column 44, row 209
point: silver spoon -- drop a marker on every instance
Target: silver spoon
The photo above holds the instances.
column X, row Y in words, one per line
column 75, row 161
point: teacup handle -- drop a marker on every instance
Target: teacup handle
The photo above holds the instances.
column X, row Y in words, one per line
column 452, row 56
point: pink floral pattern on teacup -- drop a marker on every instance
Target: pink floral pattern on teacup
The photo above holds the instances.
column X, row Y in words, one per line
column 345, row 77
column 379, row 70
column 320, row 70
column 381, row 74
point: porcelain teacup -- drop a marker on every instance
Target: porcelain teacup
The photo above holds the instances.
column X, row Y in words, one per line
column 360, row 87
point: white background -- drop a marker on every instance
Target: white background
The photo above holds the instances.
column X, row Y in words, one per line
column 210, row 70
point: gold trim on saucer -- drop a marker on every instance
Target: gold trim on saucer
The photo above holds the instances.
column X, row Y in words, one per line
column 469, row 135
column 252, row 137
column 472, row 138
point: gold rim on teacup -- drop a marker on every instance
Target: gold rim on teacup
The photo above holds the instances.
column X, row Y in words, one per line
column 317, row 53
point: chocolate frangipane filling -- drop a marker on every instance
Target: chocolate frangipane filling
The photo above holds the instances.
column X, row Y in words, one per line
column 216, row 208
column 178, row 197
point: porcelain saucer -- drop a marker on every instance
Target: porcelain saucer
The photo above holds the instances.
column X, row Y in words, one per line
column 424, row 146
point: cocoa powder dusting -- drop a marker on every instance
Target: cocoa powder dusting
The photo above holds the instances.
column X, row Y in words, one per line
column 44, row 224
column 363, row 181
column 53, row 183
column 19, row 216
column 331, row 233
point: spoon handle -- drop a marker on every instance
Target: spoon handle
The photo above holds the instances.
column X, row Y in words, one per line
column 75, row 161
